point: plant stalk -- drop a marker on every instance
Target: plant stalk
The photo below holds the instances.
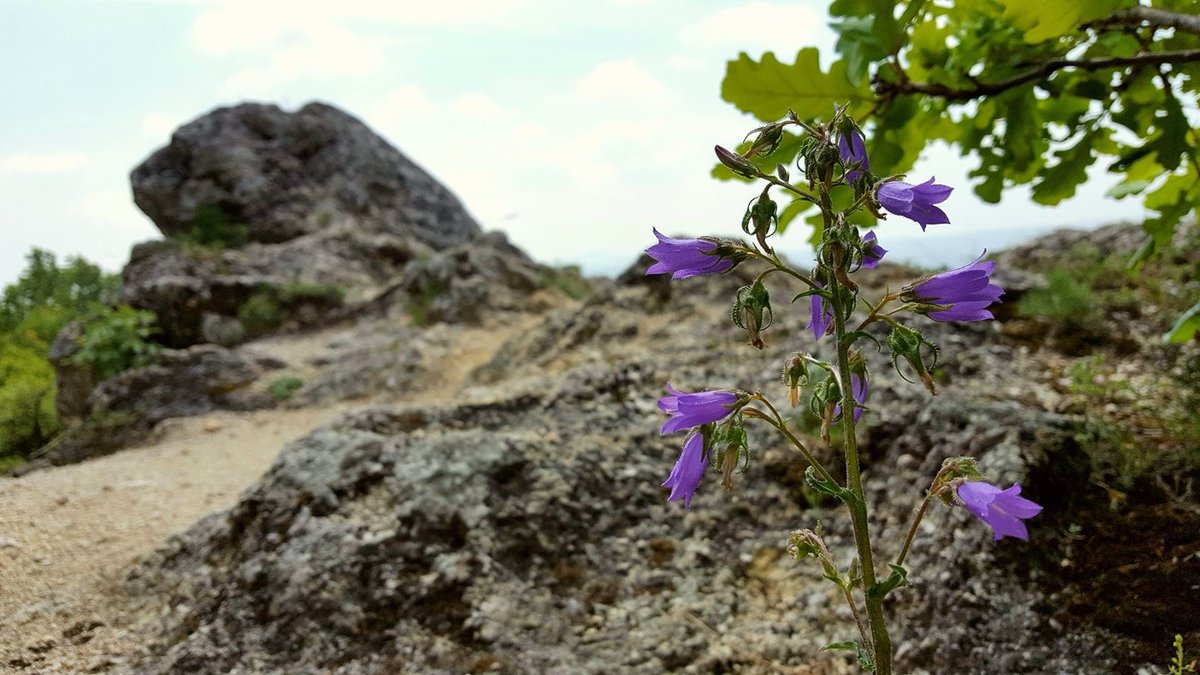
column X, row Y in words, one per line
column 881, row 642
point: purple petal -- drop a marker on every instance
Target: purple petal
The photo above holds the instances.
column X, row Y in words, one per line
column 687, row 472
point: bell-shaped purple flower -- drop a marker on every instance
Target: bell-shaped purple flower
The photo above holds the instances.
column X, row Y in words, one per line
column 915, row 202
column 966, row 292
column 872, row 251
column 682, row 258
column 820, row 321
column 858, row 389
column 693, row 410
column 688, row 470
column 1003, row 510
column 853, row 150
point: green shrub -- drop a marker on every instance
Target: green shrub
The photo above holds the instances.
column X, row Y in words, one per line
column 117, row 339
column 261, row 312
column 211, row 228
column 569, row 280
column 283, row 388
column 54, row 293
column 303, row 292
column 1065, row 300
column 420, row 304
column 27, row 414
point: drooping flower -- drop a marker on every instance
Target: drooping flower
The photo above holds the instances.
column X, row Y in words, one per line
column 858, row 389
column 872, row 251
column 1003, row 510
column 694, row 409
column 915, row 202
column 965, row 292
column 688, row 470
column 853, row 150
column 682, row 258
column 821, row 320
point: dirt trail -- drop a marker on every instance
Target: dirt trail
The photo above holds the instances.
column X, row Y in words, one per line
column 69, row 535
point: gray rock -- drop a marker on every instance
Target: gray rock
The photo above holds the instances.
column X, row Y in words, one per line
column 284, row 175
column 74, row 381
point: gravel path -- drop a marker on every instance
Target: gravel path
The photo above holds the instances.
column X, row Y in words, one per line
column 68, row 535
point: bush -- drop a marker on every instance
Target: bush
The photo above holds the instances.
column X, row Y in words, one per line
column 27, row 414
column 283, row 388
column 260, row 313
column 117, row 339
column 1065, row 300
column 211, row 228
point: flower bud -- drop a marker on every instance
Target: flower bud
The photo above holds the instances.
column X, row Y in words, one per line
column 761, row 219
column 736, row 163
column 954, row 471
column 767, row 140
column 752, row 312
column 906, row 343
column 795, row 374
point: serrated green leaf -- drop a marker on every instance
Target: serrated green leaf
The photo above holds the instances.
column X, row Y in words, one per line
column 844, row 646
column 1046, row 19
column 768, row 88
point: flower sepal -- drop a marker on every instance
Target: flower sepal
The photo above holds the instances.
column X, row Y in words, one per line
column 752, row 312
column 911, row 346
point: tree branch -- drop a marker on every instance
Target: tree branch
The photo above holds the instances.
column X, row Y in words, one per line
column 886, row 89
column 1158, row 18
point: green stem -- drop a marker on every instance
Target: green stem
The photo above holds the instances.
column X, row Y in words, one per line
column 912, row 531
column 780, row 424
column 881, row 643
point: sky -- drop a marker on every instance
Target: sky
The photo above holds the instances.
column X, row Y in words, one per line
column 574, row 127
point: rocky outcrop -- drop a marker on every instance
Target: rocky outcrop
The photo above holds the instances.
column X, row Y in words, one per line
column 283, row 175
column 522, row 529
column 124, row 409
column 260, row 205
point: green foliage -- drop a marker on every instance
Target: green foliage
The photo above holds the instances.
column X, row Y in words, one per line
column 270, row 306
column 569, row 280
column 27, row 414
column 420, row 304
column 1024, row 87
column 1185, row 327
column 212, row 228
column 117, row 339
column 261, row 312
column 1179, row 665
column 1065, row 300
column 32, row 311
column 284, row 387
column 48, row 294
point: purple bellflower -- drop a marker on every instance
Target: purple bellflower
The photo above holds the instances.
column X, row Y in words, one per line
column 821, row 320
column 853, row 150
column 693, row 410
column 683, row 258
column 858, row 389
column 688, row 470
column 966, row 291
column 915, row 202
column 1003, row 510
column 872, row 251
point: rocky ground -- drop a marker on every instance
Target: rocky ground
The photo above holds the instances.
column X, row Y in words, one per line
column 471, row 478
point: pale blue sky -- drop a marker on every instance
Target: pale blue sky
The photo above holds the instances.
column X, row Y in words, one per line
column 572, row 126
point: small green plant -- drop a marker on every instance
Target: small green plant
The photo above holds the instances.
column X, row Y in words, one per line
column 117, row 339
column 261, row 312
column 420, row 304
column 211, row 228
column 1178, row 665
column 569, row 280
column 1065, row 300
column 301, row 292
column 283, row 388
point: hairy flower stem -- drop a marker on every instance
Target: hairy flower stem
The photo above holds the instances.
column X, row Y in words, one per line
column 881, row 643
column 912, row 531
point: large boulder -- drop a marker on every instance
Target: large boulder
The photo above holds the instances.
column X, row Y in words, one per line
column 278, row 220
column 282, row 175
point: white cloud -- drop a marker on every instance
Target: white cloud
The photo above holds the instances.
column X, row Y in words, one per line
column 160, row 125
column 622, row 81
column 31, row 163
column 758, row 26
column 325, row 51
